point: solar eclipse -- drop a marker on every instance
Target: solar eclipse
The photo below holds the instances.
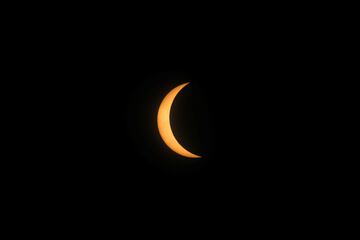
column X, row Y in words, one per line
column 164, row 126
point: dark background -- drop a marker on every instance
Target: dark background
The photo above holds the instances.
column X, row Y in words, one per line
column 95, row 92
column 241, row 112
column 87, row 83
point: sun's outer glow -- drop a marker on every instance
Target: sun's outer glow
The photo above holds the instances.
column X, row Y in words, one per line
column 163, row 121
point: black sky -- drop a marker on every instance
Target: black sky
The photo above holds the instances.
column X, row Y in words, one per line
column 238, row 112
column 88, row 84
column 98, row 96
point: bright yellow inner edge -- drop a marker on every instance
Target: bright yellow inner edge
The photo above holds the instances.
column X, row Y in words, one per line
column 163, row 121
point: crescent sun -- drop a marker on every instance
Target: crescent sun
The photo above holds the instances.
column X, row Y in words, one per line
column 163, row 122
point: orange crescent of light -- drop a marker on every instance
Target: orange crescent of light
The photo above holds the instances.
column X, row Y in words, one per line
column 163, row 121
